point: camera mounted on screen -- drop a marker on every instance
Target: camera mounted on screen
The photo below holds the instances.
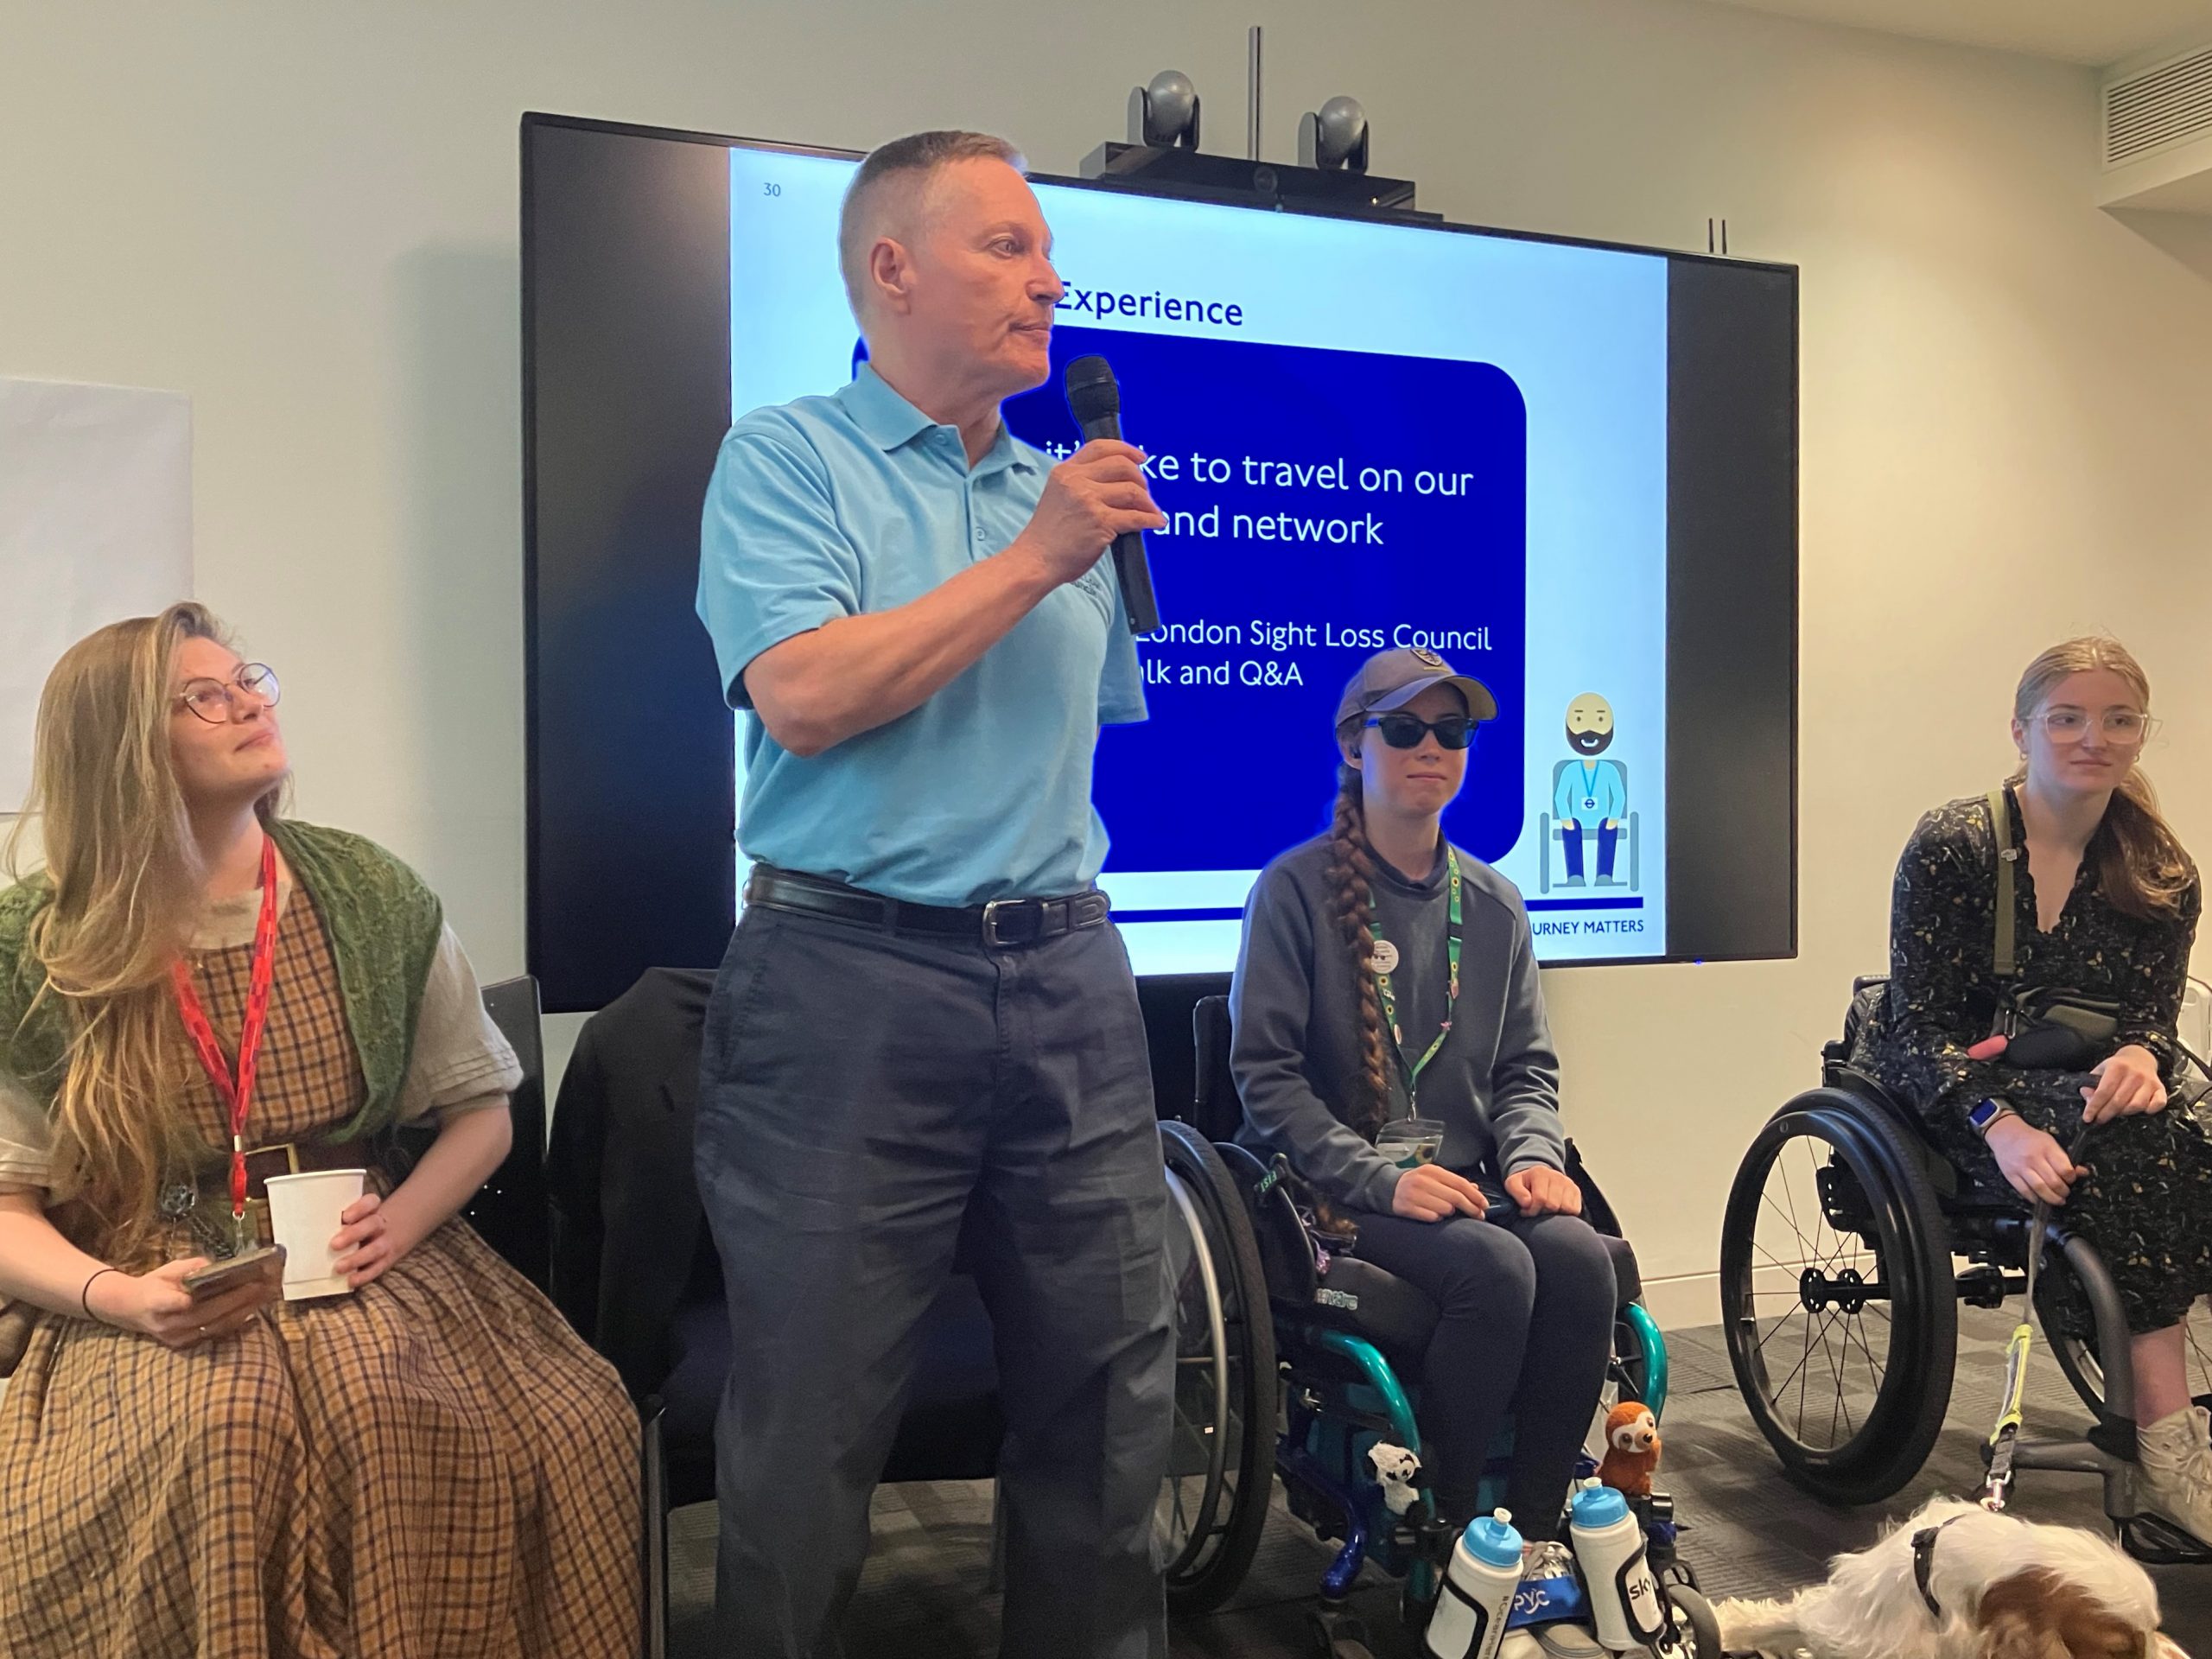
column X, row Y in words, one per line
column 1162, row 157
column 1334, row 136
column 1164, row 112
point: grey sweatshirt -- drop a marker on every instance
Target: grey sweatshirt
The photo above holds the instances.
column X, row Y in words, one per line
column 1294, row 1001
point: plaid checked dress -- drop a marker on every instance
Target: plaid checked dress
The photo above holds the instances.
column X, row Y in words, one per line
column 433, row 1466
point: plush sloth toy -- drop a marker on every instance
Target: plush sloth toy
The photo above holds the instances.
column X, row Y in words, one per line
column 1631, row 1449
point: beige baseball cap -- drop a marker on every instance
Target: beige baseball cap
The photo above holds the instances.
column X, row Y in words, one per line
column 1389, row 680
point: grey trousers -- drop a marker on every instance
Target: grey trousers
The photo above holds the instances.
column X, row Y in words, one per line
column 861, row 1093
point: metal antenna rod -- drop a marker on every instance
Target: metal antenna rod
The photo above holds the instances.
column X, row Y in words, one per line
column 1252, row 104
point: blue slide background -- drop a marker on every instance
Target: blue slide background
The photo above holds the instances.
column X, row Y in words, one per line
column 1462, row 556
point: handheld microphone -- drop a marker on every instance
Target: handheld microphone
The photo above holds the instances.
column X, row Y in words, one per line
column 1095, row 403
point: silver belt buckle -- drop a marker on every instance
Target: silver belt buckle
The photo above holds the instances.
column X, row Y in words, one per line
column 991, row 939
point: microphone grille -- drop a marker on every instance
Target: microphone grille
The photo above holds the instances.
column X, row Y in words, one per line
column 1091, row 389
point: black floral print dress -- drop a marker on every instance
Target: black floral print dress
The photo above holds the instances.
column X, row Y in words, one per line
column 2146, row 1203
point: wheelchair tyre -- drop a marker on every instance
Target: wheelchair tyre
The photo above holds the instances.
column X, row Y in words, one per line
column 1213, row 1504
column 1839, row 1301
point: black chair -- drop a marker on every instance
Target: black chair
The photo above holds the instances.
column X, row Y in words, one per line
column 952, row 1424
column 510, row 1211
column 951, row 1430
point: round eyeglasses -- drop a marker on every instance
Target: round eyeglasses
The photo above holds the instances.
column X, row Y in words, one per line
column 219, row 701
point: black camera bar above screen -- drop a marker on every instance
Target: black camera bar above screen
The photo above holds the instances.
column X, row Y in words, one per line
column 1568, row 468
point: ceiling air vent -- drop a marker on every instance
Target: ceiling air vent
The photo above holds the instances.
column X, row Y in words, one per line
column 2169, row 103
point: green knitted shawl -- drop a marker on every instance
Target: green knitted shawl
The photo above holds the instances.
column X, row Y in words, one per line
column 384, row 926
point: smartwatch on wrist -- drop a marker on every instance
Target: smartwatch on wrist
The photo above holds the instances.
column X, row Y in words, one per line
column 1984, row 1113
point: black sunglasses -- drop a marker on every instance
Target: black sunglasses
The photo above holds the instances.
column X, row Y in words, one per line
column 1406, row 731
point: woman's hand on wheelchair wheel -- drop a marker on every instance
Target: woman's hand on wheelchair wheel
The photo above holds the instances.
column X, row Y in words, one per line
column 2033, row 1163
column 1540, row 1190
column 1432, row 1193
column 2127, row 1082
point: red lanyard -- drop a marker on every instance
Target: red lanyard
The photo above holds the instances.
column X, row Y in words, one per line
column 237, row 1096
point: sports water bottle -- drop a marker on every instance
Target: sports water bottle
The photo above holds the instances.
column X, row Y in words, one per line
column 1624, row 1597
column 1471, row 1610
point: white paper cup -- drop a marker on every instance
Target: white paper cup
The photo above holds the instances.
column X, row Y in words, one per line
column 303, row 1213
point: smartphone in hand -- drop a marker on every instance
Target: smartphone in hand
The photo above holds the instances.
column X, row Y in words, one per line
column 219, row 1276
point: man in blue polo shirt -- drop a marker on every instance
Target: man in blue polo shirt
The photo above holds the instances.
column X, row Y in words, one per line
column 924, row 1016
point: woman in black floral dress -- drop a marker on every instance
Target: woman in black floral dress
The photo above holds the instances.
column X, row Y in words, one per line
column 2106, row 904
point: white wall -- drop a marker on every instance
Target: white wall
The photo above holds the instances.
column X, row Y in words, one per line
column 305, row 216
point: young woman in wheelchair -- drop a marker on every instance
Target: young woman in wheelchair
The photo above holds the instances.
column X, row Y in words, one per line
column 2106, row 905
column 1384, row 972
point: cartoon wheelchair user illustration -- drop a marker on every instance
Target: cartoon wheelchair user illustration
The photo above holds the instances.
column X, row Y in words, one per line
column 1590, row 800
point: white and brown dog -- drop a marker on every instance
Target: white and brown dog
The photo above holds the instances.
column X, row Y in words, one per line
column 1958, row 1581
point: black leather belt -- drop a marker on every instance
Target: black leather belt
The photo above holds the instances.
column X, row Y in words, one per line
column 1001, row 924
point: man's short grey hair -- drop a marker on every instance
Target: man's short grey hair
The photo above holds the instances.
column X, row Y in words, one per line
column 891, row 184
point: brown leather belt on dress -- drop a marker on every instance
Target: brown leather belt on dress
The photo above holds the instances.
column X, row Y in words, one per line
column 289, row 1158
column 208, row 1214
column 1004, row 923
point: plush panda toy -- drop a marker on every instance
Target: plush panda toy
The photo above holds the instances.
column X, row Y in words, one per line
column 1398, row 1471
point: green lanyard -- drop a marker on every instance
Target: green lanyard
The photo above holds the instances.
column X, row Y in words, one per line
column 1389, row 996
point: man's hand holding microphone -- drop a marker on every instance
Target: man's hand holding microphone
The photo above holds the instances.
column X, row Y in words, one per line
column 1096, row 494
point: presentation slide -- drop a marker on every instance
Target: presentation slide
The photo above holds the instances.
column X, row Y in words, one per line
column 1365, row 436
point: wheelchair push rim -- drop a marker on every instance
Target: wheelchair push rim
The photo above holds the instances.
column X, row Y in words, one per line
column 2077, row 1356
column 1201, row 1454
column 1213, row 1500
column 1839, row 1298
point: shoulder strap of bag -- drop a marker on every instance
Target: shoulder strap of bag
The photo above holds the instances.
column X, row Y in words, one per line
column 2000, row 824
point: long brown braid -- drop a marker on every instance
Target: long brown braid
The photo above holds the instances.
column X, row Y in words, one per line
column 1351, row 876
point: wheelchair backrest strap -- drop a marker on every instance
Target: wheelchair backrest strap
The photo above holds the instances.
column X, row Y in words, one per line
column 2000, row 824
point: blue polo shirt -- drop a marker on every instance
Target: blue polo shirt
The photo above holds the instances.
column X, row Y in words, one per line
column 858, row 502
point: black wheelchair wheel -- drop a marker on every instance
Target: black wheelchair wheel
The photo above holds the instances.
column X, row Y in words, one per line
column 1338, row 1635
column 1213, row 1504
column 1838, row 1300
column 1696, row 1611
column 2077, row 1356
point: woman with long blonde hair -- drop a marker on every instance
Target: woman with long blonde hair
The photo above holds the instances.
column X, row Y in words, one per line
column 2105, row 906
column 198, row 993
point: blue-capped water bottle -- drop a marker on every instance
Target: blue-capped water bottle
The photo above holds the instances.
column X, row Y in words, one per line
column 1624, row 1599
column 1477, row 1594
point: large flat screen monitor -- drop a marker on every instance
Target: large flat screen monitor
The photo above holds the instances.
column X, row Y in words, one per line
column 1568, row 468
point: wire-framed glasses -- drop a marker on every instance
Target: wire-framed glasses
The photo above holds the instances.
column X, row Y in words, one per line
column 218, row 701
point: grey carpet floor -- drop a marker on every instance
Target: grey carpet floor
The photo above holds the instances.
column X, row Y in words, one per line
column 1744, row 1528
